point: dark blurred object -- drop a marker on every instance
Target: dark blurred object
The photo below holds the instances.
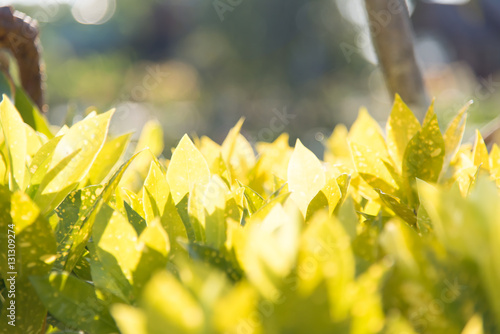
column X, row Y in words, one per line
column 19, row 35
column 470, row 32
column 394, row 44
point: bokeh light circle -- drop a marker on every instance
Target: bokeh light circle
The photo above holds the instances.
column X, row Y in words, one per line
column 93, row 11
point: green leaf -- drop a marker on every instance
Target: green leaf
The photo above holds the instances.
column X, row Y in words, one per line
column 83, row 234
column 107, row 158
column 7, row 86
column 399, row 208
column 423, row 158
column 306, row 176
column 72, row 213
column 218, row 258
column 35, row 241
column 402, row 125
column 16, row 141
column 468, row 228
column 318, row 203
column 154, row 246
column 82, row 268
column 328, row 197
column 253, row 200
column 135, row 219
column 134, row 201
column 21, row 225
column 124, row 254
column 5, row 225
column 187, row 167
column 424, row 223
column 74, row 302
column 158, row 202
column 29, row 310
column 84, row 140
column 30, row 113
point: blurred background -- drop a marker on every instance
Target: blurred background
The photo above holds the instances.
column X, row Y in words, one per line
column 300, row 66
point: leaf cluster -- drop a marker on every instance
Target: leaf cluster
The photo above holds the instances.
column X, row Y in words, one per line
column 396, row 231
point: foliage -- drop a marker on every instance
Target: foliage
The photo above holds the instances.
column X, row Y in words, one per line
column 394, row 233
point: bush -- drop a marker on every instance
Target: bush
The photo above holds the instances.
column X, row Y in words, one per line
column 389, row 234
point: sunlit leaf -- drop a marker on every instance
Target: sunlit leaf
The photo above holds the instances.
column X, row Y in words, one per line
column 72, row 213
column 305, row 176
column 169, row 307
column 158, row 202
column 402, row 125
column 252, row 199
column 326, row 244
column 480, row 153
column 423, row 158
column 16, row 141
column 187, row 167
column 84, row 141
column 107, row 158
column 454, row 134
column 365, row 131
column 372, row 169
column 399, row 208
column 83, row 234
column 151, row 139
column 30, row 113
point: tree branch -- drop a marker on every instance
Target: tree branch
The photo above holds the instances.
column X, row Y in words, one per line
column 392, row 37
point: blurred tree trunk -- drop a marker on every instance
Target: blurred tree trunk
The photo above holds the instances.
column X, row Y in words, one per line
column 19, row 35
column 392, row 37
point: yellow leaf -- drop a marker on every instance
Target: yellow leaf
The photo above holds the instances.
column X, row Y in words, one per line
column 229, row 144
column 495, row 161
column 82, row 142
column 454, row 134
column 402, row 125
column 366, row 131
column 372, row 169
column 480, row 152
column 274, row 158
column 16, row 141
column 337, row 145
column 187, row 167
column 305, row 176
column 152, row 139
column 210, row 150
column 474, row 325
column 429, row 114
